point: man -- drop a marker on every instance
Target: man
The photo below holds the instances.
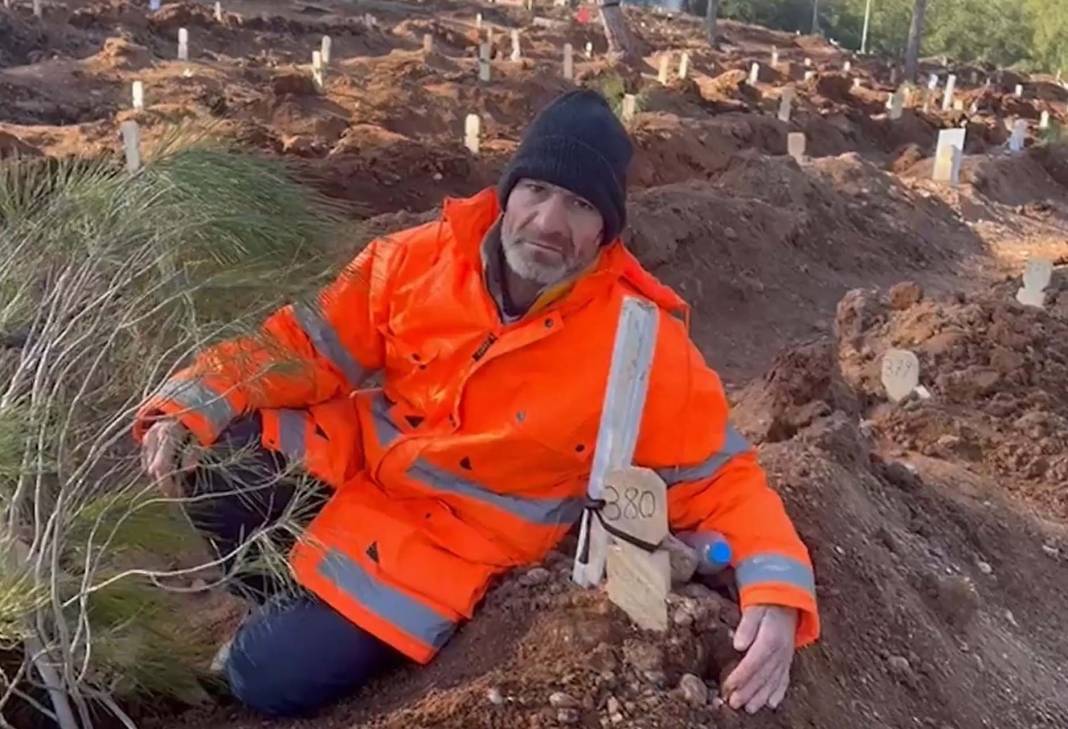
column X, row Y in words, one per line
column 493, row 332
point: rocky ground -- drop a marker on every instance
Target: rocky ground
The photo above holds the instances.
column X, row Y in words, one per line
column 937, row 526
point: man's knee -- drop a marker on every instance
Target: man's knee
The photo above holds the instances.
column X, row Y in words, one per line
column 291, row 659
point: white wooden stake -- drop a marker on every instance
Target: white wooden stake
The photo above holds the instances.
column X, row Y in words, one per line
column 809, row 75
column 153, row 5
column 183, row 44
column 662, row 76
column 517, row 53
column 131, row 142
column 754, row 74
column 589, row 49
column 569, row 62
column 948, row 156
column 774, row 56
column 795, row 146
column 218, row 11
column 897, row 104
column 786, row 102
column 138, row 95
column 847, row 66
column 1043, row 122
column 325, row 48
column 317, row 69
column 428, row 43
column 37, row 11
column 1019, row 90
column 947, row 98
column 630, row 105
column 684, row 65
column 472, row 132
column 478, row 20
column 1019, row 132
column 624, row 401
column 484, row 63
column 808, row 63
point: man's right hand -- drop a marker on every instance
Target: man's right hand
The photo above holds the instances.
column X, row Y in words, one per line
column 165, row 455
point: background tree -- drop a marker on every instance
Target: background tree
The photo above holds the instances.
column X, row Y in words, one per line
column 912, row 50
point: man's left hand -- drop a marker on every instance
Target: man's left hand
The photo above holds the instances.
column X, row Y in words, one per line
column 766, row 635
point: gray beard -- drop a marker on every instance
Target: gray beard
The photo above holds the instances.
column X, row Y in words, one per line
column 544, row 275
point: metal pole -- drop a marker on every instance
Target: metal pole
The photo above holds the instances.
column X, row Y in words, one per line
column 864, row 35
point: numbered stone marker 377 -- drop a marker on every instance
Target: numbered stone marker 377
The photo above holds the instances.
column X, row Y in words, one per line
column 1036, row 278
column 900, row 373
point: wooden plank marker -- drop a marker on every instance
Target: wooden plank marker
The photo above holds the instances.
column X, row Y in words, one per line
column 795, row 146
column 218, row 12
column 325, row 48
column 897, row 104
column 138, row 93
column 1019, row 133
column 947, row 98
column 517, row 54
column 638, row 581
column 774, row 56
column 569, row 62
column 900, row 373
column 684, row 65
column 786, row 102
column 317, row 70
column 131, row 143
column 948, row 156
column 428, row 43
column 630, row 105
column 1043, row 122
column 589, row 49
column 1036, row 277
column 1019, row 91
column 754, row 74
column 484, row 62
column 472, row 133
column 183, row 44
column 624, row 401
column 662, row 76
column 847, row 67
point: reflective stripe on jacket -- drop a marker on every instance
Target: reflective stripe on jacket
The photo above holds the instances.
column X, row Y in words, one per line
column 474, row 456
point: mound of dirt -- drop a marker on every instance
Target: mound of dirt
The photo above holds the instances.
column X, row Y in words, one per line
column 996, row 371
column 1011, row 180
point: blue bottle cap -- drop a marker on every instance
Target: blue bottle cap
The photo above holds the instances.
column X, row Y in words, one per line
column 719, row 552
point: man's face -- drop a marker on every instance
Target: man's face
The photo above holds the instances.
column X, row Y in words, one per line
column 548, row 233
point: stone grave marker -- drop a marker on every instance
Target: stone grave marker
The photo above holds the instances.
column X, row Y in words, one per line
column 774, row 56
column 1036, row 277
column 1019, row 134
column 897, row 103
column 318, row 73
column 218, row 12
column 472, row 133
column 754, row 74
column 131, row 144
column 947, row 98
column 183, row 44
column 900, row 373
column 1043, row 122
column 684, row 65
column 484, row 62
column 428, row 43
column 662, row 75
column 630, row 105
column 138, row 92
column 786, row 102
column 325, row 48
column 569, row 62
column 517, row 53
column 948, row 156
column 1019, row 90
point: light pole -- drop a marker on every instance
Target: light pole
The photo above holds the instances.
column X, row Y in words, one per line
column 864, row 34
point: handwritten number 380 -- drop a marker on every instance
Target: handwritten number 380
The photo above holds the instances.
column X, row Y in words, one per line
column 635, row 504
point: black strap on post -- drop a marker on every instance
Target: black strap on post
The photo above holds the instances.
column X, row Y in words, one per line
column 595, row 507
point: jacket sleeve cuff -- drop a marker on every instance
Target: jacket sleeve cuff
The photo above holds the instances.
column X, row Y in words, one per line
column 196, row 406
column 808, row 624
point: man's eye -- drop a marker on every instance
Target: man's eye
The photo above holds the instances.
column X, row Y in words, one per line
column 582, row 204
column 535, row 187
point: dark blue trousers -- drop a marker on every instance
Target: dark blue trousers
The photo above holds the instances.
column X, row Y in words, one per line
column 295, row 653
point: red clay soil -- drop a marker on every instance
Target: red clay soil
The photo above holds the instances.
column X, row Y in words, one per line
column 937, row 527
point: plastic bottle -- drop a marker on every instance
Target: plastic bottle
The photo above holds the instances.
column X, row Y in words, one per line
column 713, row 550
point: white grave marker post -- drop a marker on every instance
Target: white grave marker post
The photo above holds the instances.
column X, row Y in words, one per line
column 1043, row 122
column 774, row 56
column 638, row 581
column 932, row 82
column 138, row 95
column 317, row 69
column 569, row 62
column 218, row 11
column 472, row 133
column 754, row 74
column 428, row 43
column 809, row 75
column 786, row 104
column 153, row 5
column 325, row 48
column 1036, row 277
column 624, row 401
column 1019, row 133
column 893, row 76
column 947, row 99
column 948, row 155
column 684, row 65
column 131, row 143
column 484, row 62
column 856, row 82
column 795, row 146
column 1019, row 90
column 37, row 11
column 517, row 54
column 662, row 76
column 630, row 105
column 808, row 63
column 589, row 49
column 900, row 373
column 897, row 104
column 958, row 104
column 183, row 44
column 847, row 66
column 478, row 20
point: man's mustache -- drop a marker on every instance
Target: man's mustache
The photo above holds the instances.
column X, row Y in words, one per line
column 555, row 240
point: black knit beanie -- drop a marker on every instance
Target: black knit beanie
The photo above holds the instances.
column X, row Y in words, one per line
column 576, row 142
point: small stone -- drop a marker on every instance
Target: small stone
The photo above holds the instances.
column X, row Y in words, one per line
column 899, row 666
column 535, row 577
column 693, row 690
column 616, row 718
column 494, row 696
column 1051, row 550
column 643, row 656
column 568, row 716
column 729, row 233
column 560, row 700
column 612, row 705
column 985, row 567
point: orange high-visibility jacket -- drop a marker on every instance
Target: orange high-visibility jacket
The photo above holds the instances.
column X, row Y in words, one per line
column 475, row 454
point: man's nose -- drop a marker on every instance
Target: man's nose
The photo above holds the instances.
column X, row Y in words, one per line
column 552, row 215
